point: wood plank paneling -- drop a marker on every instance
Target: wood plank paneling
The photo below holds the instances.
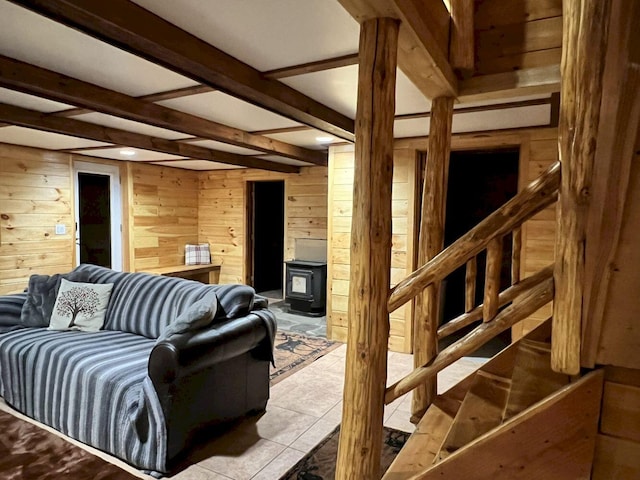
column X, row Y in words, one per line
column 35, row 195
column 165, row 215
column 222, row 216
column 340, row 206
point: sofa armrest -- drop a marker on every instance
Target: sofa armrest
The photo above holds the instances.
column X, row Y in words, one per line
column 190, row 352
column 10, row 310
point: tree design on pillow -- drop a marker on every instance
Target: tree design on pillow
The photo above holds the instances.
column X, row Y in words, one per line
column 75, row 301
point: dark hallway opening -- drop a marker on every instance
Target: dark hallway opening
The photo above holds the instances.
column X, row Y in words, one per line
column 479, row 183
column 267, row 228
column 94, row 213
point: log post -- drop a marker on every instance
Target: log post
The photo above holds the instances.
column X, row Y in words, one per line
column 492, row 279
column 516, row 254
column 470, row 284
column 583, row 58
column 425, row 336
column 368, row 335
column 461, row 51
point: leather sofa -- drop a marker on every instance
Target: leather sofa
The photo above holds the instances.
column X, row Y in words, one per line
column 150, row 379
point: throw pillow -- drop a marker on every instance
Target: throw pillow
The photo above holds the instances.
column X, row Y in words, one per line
column 41, row 296
column 80, row 306
column 198, row 316
column 197, row 254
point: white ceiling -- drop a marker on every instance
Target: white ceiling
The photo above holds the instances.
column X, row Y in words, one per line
column 264, row 34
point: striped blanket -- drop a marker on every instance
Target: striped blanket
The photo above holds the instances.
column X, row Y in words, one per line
column 92, row 387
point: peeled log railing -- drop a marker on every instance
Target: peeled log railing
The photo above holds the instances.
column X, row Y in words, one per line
column 531, row 293
column 538, row 195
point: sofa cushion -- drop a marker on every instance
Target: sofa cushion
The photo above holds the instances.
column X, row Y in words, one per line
column 145, row 304
column 80, row 306
column 197, row 316
column 41, row 297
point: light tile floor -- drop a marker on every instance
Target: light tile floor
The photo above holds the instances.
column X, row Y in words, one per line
column 303, row 409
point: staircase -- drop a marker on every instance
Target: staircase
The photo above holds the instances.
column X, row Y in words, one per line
column 512, row 418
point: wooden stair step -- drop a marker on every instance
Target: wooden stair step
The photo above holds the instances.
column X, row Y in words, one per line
column 422, row 446
column 481, row 411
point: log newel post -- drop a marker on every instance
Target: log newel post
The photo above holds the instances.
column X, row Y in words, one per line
column 362, row 416
column 427, row 312
column 583, row 57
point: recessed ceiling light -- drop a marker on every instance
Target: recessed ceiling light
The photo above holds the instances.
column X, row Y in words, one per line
column 324, row 139
column 127, row 152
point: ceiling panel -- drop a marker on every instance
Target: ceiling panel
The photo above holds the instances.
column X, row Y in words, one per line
column 408, row 98
column 338, row 88
column 223, row 147
column 115, row 154
column 35, row 39
column 266, row 34
column 29, row 101
column 538, row 115
column 306, row 138
column 223, row 108
column 500, row 119
column 197, row 165
column 37, row 138
column 131, row 126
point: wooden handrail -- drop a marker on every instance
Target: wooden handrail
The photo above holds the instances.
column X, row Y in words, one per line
column 528, row 303
column 539, row 194
column 505, row 297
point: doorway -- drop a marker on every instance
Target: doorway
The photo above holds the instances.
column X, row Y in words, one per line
column 266, row 237
column 479, row 183
column 98, row 215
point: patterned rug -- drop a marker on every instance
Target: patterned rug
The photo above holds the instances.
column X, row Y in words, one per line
column 320, row 463
column 28, row 452
column 294, row 351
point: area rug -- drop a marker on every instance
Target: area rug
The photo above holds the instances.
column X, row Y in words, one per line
column 320, row 463
column 28, row 452
column 293, row 351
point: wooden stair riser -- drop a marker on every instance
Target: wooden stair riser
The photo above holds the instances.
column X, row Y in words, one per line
column 532, row 378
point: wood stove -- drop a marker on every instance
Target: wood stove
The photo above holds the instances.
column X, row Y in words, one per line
column 306, row 289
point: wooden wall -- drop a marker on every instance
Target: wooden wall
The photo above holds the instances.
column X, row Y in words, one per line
column 512, row 35
column 223, row 213
column 36, row 193
column 341, row 169
column 164, row 214
column 617, row 454
column 160, row 214
column 538, row 150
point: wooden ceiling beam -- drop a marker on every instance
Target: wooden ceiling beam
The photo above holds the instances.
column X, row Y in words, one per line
column 67, row 126
column 423, row 42
column 33, row 80
column 313, row 67
column 132, row 28
column 153, row 97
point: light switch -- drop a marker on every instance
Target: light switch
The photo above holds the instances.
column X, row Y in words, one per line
column 61, row 229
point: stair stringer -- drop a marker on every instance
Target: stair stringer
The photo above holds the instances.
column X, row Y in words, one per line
column 554, row 438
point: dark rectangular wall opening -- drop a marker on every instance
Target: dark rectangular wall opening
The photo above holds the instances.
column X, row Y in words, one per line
column 94, row 214
column 267, row 237
column 479, row 183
